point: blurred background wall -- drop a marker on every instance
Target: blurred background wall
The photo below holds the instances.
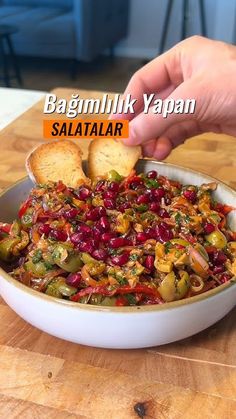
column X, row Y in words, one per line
column 97, row 44
column 146, row 24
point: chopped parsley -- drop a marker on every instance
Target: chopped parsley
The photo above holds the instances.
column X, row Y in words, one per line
column 168, row 246
column 121, row 279
column 133, row 257
column 178, row 218
column 142, row 208
column 131, row 299
column 151, row 183
column 48, row 266
column 37, row 256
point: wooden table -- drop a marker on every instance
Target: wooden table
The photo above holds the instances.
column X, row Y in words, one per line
column 45, row 377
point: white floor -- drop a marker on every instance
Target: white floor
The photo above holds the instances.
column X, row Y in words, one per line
column 14, row 102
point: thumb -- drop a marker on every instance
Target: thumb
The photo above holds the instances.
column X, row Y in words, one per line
column 146, row 127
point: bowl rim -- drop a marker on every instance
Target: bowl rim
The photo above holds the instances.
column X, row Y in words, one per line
column 130, row 309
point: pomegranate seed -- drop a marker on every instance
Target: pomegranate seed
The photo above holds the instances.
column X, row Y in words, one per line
column 218, row 270
column 95, row 213
column 124, row 206
column 152, row 174
column 74, row 279
column 190, row 195
column 83, row 193
column 149, row 262
column 100, row 186
column 218, row 258
column 118, row 242
column 120, row 260
column 136, row 183
column 142, row 237
column 163, row 213
column 58, row 235
column 150, row 232
column 101, row 211
column 71, row 213
column 44, row 229
column 109, row 194
column 100, row 254
column 163, row 233
column 114, row 186
column 209, row 228
column 158, row 193
column 84, row 229
column 109, row 203
column 106, row 237
column 103, row 224
column 76, row 238
column 86, row 247
column 154, row 206
column 96, row 233
column 143, row 199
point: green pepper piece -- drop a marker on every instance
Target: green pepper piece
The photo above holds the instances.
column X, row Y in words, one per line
column 6, row 246
column 114, row 176
column 86, row 258
column 59, row 288
column 72, row 263
column 99, row 300
column 69, row 261
column 38, row 269
column 15, row 228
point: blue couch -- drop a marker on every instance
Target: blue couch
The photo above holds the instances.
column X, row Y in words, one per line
column 79, row 29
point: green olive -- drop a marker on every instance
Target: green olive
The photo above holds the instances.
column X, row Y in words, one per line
column 172, row 288
column 6, row 246
column 27, row 220
column 217, row 239
column 59, row 288
column 114, row 176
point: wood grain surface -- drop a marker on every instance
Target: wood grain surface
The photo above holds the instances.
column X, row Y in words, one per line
column 45, row 377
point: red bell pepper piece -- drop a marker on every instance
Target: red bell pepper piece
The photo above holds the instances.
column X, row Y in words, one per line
column 5, row 228
column 24, row 207
column 126, row 289
column 121, row 301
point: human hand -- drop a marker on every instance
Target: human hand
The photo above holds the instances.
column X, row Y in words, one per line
column 196, row 68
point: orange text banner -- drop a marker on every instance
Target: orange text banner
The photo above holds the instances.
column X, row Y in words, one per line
column 61, row 129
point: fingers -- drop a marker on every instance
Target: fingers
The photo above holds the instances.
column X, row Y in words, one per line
column 174, row 136
column 160, row 76
column 146, row 127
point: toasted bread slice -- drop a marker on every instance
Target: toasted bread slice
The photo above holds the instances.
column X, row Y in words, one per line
column 57, row 160
column 106, row 154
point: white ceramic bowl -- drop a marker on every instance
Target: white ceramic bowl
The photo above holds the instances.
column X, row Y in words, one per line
column 119, row 327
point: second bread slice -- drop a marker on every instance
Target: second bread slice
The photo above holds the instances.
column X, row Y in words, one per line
column 109, row 154
column 54, row 161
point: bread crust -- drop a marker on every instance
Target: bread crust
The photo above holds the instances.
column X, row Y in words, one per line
column 106, row 154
